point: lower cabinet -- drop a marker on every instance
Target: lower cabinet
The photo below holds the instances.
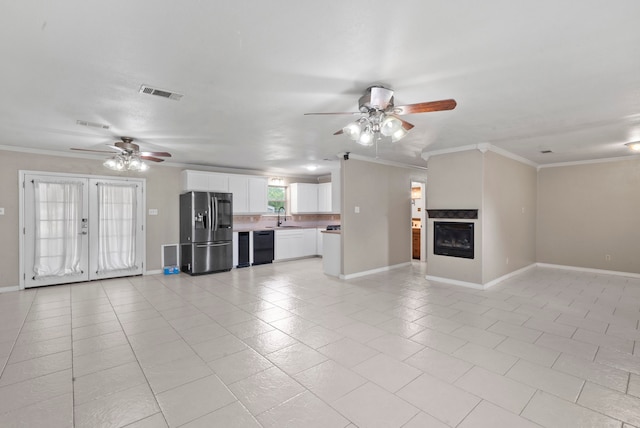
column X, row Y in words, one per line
column 295, row 243
column 416, row 244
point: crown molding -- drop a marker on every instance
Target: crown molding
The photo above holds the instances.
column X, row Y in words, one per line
column 483, row 148
column 588, row 162
column 380, row 161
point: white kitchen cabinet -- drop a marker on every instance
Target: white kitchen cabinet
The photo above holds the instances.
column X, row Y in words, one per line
column 258, row 199
column 239, row 186
column 289, row 244
column 204, row 181
column 324, row 197
column 309, row 243
column 319, row 241
column 249, row 192
column 295, row 243
column 304, row 198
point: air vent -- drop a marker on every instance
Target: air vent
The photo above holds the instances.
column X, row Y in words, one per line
column 160, row 92
column 545, row 151
column 91, row 124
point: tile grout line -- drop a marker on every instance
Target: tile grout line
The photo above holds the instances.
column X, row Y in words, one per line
column 132, row 350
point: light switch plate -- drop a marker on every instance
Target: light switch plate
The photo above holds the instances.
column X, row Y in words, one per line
column 153, row 211
column 1, row 211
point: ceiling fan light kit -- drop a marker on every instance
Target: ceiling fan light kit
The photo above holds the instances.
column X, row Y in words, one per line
column 635, row 146
column 379, row 117
column 123, row 162
column 128, row 156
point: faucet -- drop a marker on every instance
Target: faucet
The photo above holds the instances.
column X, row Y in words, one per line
column 284, row 217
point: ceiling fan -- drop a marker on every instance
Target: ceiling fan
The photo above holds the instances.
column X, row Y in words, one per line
column 127, row 155
column 379, row 116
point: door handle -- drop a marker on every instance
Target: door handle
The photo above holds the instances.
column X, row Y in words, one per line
column 213, row 245
column 216, row 213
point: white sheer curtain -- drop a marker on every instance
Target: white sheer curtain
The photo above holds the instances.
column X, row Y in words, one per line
column 116, row 227
column 58, row 243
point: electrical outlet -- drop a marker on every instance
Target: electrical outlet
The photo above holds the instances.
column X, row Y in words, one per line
column 507, row 260
column 153, row 211
column 1, row 211
column 357, row 210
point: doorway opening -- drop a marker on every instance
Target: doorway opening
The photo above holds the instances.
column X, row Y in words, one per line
column 418, row 221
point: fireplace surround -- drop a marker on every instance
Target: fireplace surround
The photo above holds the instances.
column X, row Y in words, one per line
column 454, row 239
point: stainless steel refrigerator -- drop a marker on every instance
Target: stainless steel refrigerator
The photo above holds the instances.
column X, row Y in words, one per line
column 206, row 232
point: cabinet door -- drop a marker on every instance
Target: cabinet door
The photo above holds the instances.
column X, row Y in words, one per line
column 258, row 187
column 218, row 182
column 324, row 197
column 309, row 242
column 239, row 186
column 304, row 198
column 319, row 242
column 195, row 180
column 289, row 244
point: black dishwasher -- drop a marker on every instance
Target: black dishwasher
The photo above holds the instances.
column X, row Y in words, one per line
column 262, row 247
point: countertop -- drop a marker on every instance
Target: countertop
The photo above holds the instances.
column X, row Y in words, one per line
column 335, row 232
column 253, row 229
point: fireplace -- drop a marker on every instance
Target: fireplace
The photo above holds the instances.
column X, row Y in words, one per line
column 454, row 239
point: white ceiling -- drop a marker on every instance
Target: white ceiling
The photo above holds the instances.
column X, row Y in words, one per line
column 527, row 76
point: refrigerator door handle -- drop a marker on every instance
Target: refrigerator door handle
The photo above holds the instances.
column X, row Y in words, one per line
column 211, row 213
column 222, row 244
column 216, row 213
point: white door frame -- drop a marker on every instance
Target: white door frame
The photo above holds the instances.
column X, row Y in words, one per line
column 21, row 220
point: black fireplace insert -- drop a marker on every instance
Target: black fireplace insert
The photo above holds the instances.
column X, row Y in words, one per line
column 454, row 239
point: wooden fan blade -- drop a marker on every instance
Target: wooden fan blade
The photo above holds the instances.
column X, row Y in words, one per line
column 426, row 107
column 349, row 112
column 152, row 158
column 406, row 125
column 338, row 132
column 162, row 154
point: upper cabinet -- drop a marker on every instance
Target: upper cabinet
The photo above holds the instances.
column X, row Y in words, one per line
column 315, row 198
column 324, row 197
column 258, row 199
column 249, row 192
column 304, row 198
column 204, row 181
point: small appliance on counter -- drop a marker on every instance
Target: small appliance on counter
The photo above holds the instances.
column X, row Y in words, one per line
column 333, row 227
column 206, row 232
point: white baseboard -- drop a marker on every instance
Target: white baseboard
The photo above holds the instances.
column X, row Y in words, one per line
column 372, row 271
column 454, row 282
column 8, row 289
column 509, row 275
column 477, row 286
column 589, row 270
column 153, row 272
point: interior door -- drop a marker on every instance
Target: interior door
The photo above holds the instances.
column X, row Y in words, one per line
column 55, row 230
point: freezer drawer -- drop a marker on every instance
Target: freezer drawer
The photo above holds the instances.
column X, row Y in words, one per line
column 206, row 257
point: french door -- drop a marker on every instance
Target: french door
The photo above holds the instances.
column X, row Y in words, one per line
column 79, row 228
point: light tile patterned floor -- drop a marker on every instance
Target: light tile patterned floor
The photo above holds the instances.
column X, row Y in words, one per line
column 283, row 345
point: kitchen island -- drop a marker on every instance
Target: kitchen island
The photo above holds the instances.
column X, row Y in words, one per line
column 332, row 252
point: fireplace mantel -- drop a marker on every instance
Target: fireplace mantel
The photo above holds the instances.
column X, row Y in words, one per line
column 453, row 214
